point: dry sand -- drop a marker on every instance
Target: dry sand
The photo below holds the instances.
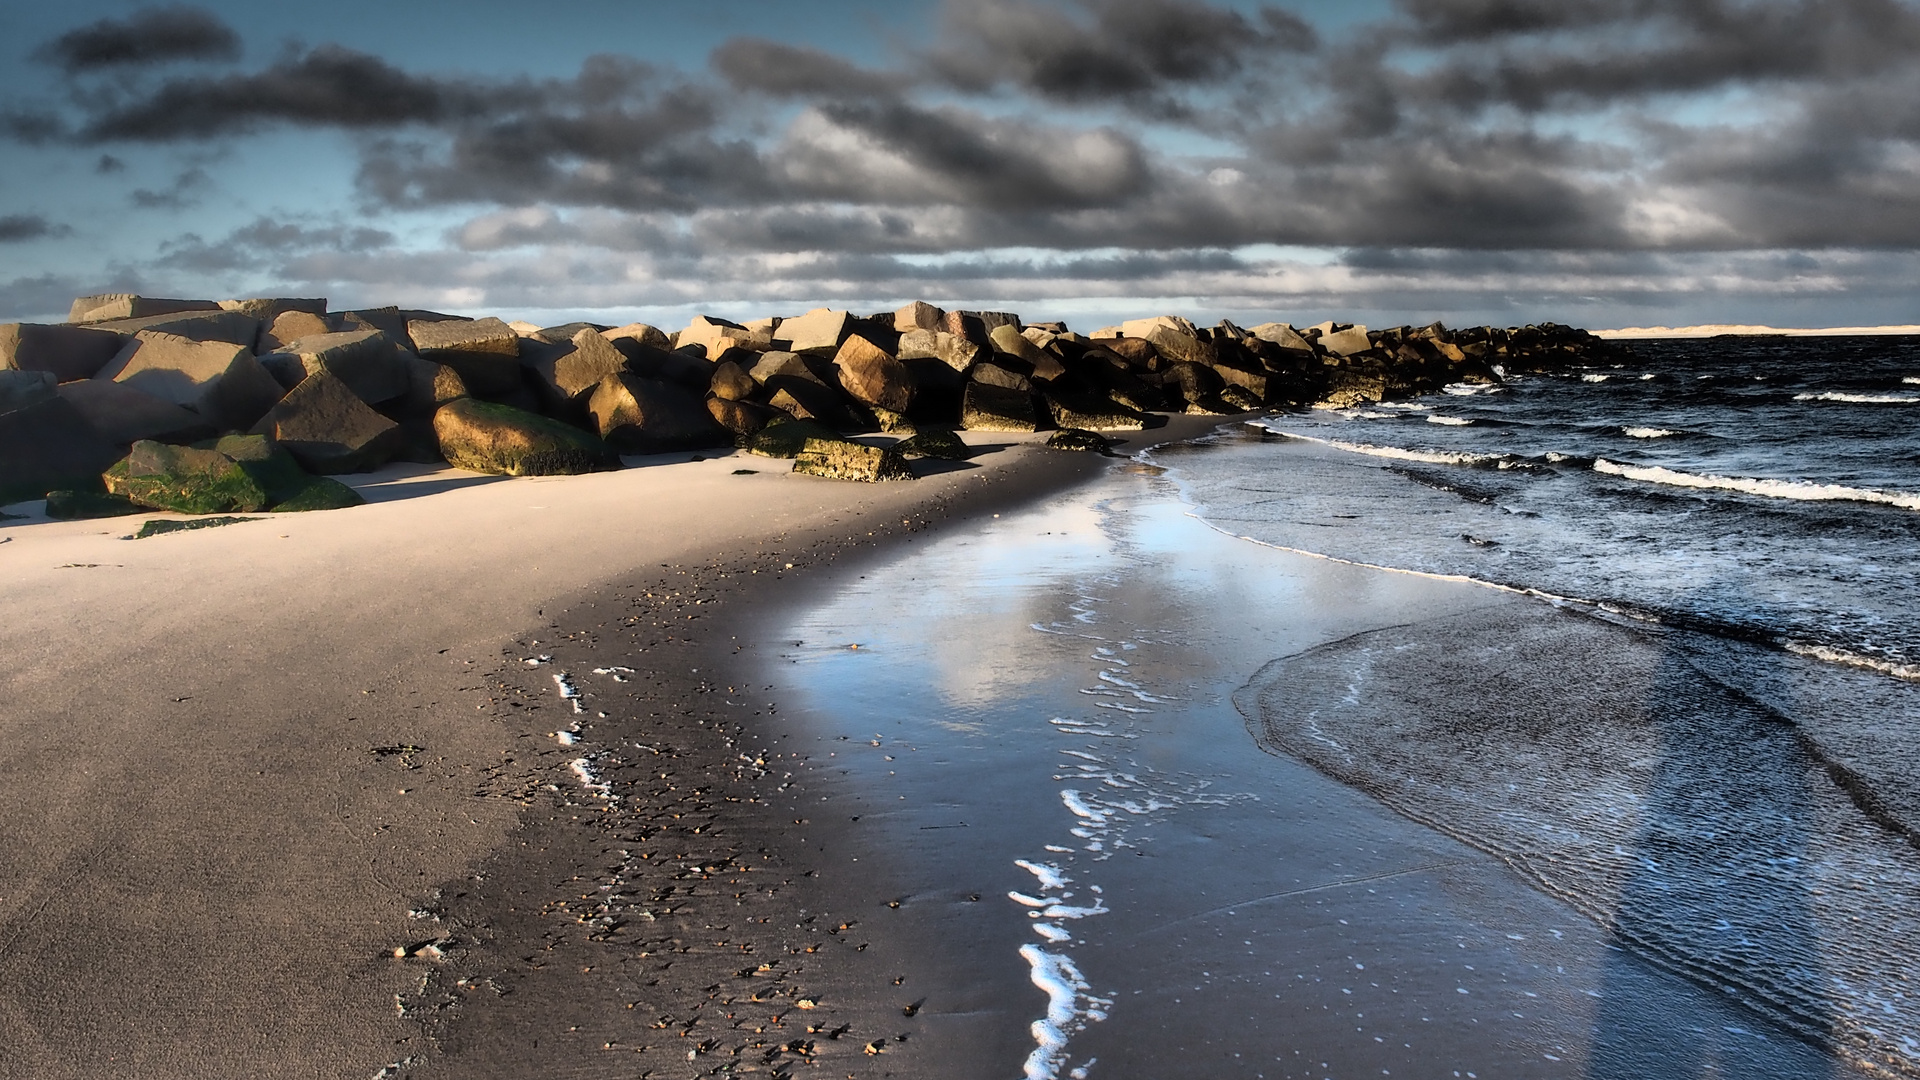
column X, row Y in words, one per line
column 241, row 763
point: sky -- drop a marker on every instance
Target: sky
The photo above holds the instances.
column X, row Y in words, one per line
column 1601, row 163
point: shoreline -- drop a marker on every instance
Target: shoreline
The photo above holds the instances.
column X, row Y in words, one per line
column 241, row 756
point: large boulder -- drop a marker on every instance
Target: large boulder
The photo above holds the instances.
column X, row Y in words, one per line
column 491, row 438
column 1350, row 386
column 786, row 438
column 919, row 315
column 1009, row 341
column 124, row 415
column 19, row 389
column 486, row 352
column 1195, row 382
column 741, row 418
column 372, row 364
column 646, row 416
column 650, row 336
column 226, row 326
column 871, row 376
column 288, row 327
column 1283, row 335
column 716, row 335
column 88, row 309
column 430, row 386
column 934, row 442
column 1001, row 376
column 730, row 382
column 222, row 382
column 569, row 372
column 47, row 445
column 839, row 459
column 69, row 352
column 1180, row 347
column 1091, row 412
column 950, row 349
column 820, row 330
column 329, row 429
column 1349, row 341
column 186, row 480
column 269, row 308
column 996, row 408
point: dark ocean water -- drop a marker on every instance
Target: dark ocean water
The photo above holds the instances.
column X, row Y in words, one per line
column 1712, row 747
column 1759, row 488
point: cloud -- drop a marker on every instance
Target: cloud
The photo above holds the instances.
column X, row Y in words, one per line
column 15, row 228
column 769, row 67
column 184, row 192
column 148, row 36
column 266, row 242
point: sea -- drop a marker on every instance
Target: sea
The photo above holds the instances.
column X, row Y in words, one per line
column 1563, row 727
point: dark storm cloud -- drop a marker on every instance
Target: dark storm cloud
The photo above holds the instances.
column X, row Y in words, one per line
column 265, row 242
column 770, row 67
column 15, row 228
column 148, row 36
column 1107, row 50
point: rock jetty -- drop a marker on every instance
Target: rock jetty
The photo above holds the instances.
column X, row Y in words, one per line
column 201, row 406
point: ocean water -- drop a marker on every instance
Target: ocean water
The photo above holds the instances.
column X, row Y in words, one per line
column 1563, row 729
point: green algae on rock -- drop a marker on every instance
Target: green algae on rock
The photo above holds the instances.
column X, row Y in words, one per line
column 839, row 459
column 500, row 439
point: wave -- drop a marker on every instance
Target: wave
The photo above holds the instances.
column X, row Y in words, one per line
column 1831, row 655
column 1470, row 389
column 1862, row 399
column 1450, row 421
column 1801, row 490
column 1647, row 432
column 1397, row 453
column 1912, row 380
column 1595, row 378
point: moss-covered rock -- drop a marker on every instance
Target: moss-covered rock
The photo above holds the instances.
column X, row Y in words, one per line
column 319, row 493
column 81, row 505
column 186, row 479
column 839, row 459
column 934, row 442
column 1080, row 439
column 786, row 438
column 500, row 439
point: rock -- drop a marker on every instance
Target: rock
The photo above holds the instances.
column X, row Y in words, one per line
column 390, row 321
column 89, row 309
column 1139, row 353
column 19, row 389
column 1348, row 342
column 1240, row 399
column 956, row 352
column 819, row 330
column 486, row 352
column 786, row 438
column 1005, row 378
column 368, row 361
column 994, row 408
column 870, row 376
column 289, row 327
column 797, row 390
column 1283, row 335
column 1349, row 386
column 681, row 368
column 731, row 383
column 651, row 336
column 124, row 415
column 839, row 459
column 525, row 329
column 286, row 369
column 328, row 428
column 934, row 442
column 1195, row 382
column 500, row 439
column 220, row 381
column 68, row 352
column 431, row 385
column 1244, row 375
column 647, row 416
column 1177, row 346
column 717, row 335
column 1078, row 439
column 187, row 480
column 742, row 418
column 919, row 315
column 564, row 333
column 1010, row 342
column 569, row 372
column 46, row 446
column 227, row 326
column 269, row 308
column 1088, row 411
column 320, row 493
column 84, row 505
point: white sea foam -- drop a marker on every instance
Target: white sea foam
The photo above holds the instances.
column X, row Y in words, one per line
column 1801, row 490
column 1595, row 378
column 1647, row 432
column 1070, row 1006
column 589, row 779
column 568, row 691
column 1450, row 421
column 1912, row 380
column 1851, row 659
column 1470, row 389
column 1399, row 453
column 1862, row 399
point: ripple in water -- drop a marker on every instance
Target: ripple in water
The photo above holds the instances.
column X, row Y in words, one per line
column 1699, row 827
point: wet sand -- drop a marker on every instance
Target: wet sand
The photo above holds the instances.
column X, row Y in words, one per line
column 242, row 762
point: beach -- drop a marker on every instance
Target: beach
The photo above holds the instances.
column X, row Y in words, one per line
column 678, row 771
